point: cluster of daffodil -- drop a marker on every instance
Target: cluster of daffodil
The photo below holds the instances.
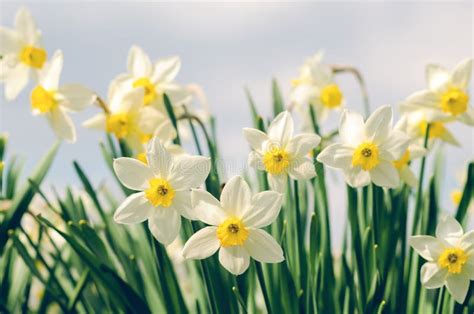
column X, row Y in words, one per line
column 280, row 217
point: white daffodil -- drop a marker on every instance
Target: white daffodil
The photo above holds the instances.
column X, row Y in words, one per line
column 156, row 79
column 21, row 53
column 368, row 150
column 165, row 184
column 447, row 96
column 236, row 223
column 315, row 86
column 280, row 154
column 414, row 151
column 53, row 101
column 128, row 119
column 450, row 258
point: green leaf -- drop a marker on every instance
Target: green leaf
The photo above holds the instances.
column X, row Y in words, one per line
column 467, row 195
column 278, row 105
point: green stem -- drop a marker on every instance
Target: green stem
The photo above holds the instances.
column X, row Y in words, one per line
column 440, row 303
column 261, row 280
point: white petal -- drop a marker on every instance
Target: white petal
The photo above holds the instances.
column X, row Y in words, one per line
column 207, row 208
column 417, row 151
column 356, row 177
column 255, row 161
column 236, row 196
column 135, row 209
column 281, row 128
column 132, row 173
column 189, row 171
column 178, row 95
column 467, row 242
column 164, row 224
column 351, row 128
column 51, row 73
column 255, row 138
column 25, row 25
column 16, row 81
column 96, row 122
column 264, row 209
column 166, row 70
column 407, row 176
column 379, row 124
column 202, row 244
column 165, row 131
column 385, row 175
column 449, row 227
column 139, row 63
column 77, row 97
column 149, row 119
column 395, row 145
column 337, row 156
column 10, row 41
column 462, row 74
column 458, row 285
column 235, row 259
column 263, row 248
column 62, row 125
column 302, row 144
column 437, row 76
column 468, row 117
column 158, row 158
column 302, row 169
column 428, row 247
column 277, row 182
column 182, row 204
column 432, row 276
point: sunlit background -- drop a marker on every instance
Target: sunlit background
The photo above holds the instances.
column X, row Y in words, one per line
column 226, row 47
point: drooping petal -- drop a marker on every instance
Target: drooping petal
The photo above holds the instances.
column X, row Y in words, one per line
column 236, row 196
column 263, row 248
column 302, row 144
column 51, row 73
column 62, row 125
column 462, row 74
column 202, row 244
column 449, row 227
column 77, row 97
column 277, row 182
column 164, row 224
column 436, row 76
column 407, row 176
column 134, row 209
column 189, row 171
column 182, row 204
column 468, row 117
column 302, row 168
column 379, row 124
column 166, row 69
column 139, row 63
column 16, row 80
column 26, row 26
column 351, row 128
column 235, row 259
column 159, row 159
column 255, row 138
column 432, row 276
column 458, row 285
column 336, row 156
column 96, row 122
column 356, row 177
column 281, row 128
column 428, row 247
column 264, row 209
column 132, row 173
column 385, row 175
column 207, row 208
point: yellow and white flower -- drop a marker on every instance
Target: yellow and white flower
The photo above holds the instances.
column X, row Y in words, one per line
column 22, row 53
column 368, row 150
column 280, row 154
column 128, row 119
column 315, row 86
column 164, row 186
column 450, row 258
column 447, row 96
column 156, row 80
column 54, row 102
column 235, row 226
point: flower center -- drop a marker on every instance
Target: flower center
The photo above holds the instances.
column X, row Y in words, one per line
column 149, row 88
column 437, row 129
column 42, row 101
column 232, row 232
column 453, row 259
column 454, row 101
column 160, row 192
column 456, row 197
column 402, row 162
column 366, row 155
column 276, row 160
column 120, row 124
column 331, row 96
column 33, row 57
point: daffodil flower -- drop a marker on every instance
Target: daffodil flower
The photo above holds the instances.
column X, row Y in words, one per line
column 450, row 258
column 315, row 86
column 156, row 80
column 235, row 226
column 53, row 101
column 447, row 96
column 280, row 154
column 22, row 53
column 164, row 186
column 368, row 150
column 128, row 119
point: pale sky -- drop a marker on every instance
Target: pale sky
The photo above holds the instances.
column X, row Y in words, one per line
column 225, row 47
